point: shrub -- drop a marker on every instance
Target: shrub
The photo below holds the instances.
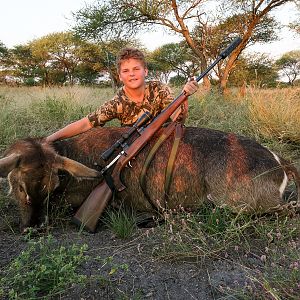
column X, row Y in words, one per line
column 42, row 270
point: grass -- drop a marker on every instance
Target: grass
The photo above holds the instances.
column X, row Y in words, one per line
column 43, row 269
column 218, row 234
column 208, row 233
column 40, row 111
column 275, row 115
column 270, row 116
column 121, row 222
column 214, row 111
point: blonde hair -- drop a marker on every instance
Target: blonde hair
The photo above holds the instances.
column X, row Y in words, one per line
column 127, row 53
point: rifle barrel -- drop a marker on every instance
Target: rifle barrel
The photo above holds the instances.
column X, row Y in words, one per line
column 222, row 55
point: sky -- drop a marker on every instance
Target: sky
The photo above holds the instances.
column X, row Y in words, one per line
column 24, row 20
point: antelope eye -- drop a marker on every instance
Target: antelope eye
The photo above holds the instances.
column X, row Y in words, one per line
column 21, row 189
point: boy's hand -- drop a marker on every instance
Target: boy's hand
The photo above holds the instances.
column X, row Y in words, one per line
column 191, row 87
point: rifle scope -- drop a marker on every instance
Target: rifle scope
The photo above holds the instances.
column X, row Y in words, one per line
column 145, row 117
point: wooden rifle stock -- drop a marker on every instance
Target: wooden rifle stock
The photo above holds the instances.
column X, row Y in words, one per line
column 88, row 214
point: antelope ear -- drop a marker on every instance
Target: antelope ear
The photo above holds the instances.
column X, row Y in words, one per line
column 75, row 168
column 8, row 163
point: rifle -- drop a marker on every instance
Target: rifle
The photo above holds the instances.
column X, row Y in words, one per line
column 88, row 214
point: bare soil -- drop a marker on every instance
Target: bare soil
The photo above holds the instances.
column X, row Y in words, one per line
column 148, row 276
column 137, row 269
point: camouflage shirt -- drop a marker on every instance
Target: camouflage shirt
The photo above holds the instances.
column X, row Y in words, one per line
column 157, row 96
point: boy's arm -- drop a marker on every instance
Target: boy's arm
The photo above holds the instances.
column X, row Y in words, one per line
column 70, row 130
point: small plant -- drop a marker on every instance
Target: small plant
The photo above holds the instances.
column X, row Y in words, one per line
column 282, row 272
column 114, row 268
column 121, row 222
column 42, row 270
column 215, row 219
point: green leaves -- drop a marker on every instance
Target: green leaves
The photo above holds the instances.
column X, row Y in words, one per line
column 43, row 269
column 289, row 65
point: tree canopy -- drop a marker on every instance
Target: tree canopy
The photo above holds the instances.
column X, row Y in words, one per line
column 249, row 19
column 289, row 65
column 102, row 29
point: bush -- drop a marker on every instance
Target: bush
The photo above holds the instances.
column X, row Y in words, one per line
column 42, row 270
column 29, row 81
column 177, row 81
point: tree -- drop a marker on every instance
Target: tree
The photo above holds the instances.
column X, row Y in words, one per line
column 90, row 58
column 3, row 61
column 256, row 70
column 289, row 65
column 64, row 58
column 126, row 17
column 173, row 57
column 22, row 63
column 57, row 58
column 216, row 37
column 296, row 24
column 57, row 51
column 254, row 14
column 3, row 51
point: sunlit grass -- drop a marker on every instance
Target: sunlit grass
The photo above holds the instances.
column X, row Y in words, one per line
column 270, row 116
column 275, row 113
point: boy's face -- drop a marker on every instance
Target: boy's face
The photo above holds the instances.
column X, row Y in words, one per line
column 132, row 73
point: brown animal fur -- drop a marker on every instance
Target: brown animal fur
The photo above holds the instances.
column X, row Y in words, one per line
column 211, row 166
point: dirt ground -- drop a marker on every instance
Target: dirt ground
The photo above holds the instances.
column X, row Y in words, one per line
column 141, row 271
column 148, row 276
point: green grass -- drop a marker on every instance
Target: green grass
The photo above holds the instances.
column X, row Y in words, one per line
column 38, row 112
column 211, row 233
column 214, row 111
column 121, row 222
column 43, row 270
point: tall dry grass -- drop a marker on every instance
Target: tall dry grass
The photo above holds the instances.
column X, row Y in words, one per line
column 270, row 116
column 275, row 113
column 80, row 95
column 36, row 111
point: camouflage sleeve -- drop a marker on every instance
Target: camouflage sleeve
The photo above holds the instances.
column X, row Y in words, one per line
column 106, row 112
column 167, row 96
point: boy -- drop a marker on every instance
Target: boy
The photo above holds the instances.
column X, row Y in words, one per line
column 131, row 101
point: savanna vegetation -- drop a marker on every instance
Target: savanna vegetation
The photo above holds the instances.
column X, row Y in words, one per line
column 210, row 254
column 219, row 254
column 86, row 53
